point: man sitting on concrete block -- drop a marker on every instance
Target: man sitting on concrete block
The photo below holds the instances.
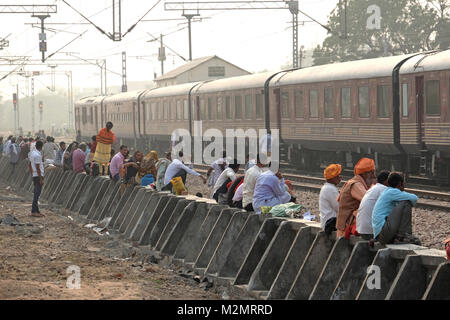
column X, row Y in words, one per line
column 391, row 217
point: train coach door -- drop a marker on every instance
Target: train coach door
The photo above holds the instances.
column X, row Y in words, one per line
column 420, row 110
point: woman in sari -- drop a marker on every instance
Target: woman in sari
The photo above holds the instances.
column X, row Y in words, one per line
column 148, row 166
column 105, row 139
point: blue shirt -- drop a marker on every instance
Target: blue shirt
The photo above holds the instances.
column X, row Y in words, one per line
column 384, row 205
column 269, row 191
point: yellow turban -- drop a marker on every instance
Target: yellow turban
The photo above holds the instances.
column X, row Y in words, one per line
column 332, row 171
column 364, row 165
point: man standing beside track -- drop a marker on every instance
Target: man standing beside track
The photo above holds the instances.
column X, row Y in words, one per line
column 351, row 195
column 105, row 139
column 37, row 171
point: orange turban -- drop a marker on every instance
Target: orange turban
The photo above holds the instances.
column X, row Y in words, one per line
column 332, row 171
column 364, row 165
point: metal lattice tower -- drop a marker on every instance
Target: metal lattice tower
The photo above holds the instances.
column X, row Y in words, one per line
column 117, row 20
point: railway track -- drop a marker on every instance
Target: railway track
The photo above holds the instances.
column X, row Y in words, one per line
column 428, row 199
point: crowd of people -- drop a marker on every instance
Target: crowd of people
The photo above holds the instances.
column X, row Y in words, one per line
column 370, row 206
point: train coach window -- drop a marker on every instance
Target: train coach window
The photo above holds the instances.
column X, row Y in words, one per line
column 259, row 106
column 363, row 102
column 83, row 115
column 172, row 110
column 219, row 112
column 383, row 101
column 210, row 108
column 228, row 107
column 346, row 103
column 202, row 109
column 178, row 109
column 248, row 106
column 238, row 107
column 404, row 99
column 153, row 113
column 432, row 96
column 313, row 103
column 299, row 106
column 329, row 102
column 284, row 104
column 186, row 109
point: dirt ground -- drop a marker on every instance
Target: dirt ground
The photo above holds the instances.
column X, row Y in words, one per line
column 432, row 227
column 34, row 259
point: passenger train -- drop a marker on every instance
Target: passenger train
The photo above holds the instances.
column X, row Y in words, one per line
column 395, row 110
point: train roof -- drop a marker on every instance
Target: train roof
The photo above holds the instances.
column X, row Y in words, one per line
column 427, row 62
column 124, row 96
column 360, row 69
column 91, row 99
column 234, row 83
column 176, row 90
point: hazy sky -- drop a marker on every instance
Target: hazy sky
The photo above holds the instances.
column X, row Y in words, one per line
column 252, row 39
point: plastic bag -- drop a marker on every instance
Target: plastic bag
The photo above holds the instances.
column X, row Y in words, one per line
column 178, row 185
column 287, row 210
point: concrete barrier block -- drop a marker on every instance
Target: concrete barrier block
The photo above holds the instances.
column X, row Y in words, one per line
column 146, row 216
column 355, row 272
column 72, row 180
column 241, row 246
column 51, row 185
column 293, row 262
column 61, row 196
column 214, row 237
column 332, row 271
column 145, row 238
column 259, row 247
column 389, row 261
column 191, row 234
column 59, row 186
column 126, row 208
column 109, row 204
column 132, row 209
column 309, row 272
column 75, row 197
column 414, row 276
column 138, row 214
column 93, row 190
column 170, row 225
column 183, row 224
column 164, row 217
column 273, row 258
column 226, row 243
column 83, row 193
column 203, row 232
column 48, row 181
column 104, row 185
column 439, row 287
column 115, row 212
column 94, row 215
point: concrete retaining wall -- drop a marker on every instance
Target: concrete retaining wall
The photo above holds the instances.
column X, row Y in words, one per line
column 260, row 256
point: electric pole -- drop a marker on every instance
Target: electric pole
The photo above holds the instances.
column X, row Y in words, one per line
column 189, row 18
column 124, row 72
column 162, row 54
column 32, row 105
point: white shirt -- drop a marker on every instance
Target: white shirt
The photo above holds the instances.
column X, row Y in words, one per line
column 6, row 148
column 328, row 205
column 217, row 170
column 239, row 193
column 227, row 173
column 173, row 169
column 36, row 159
column 249, row 184
column 364, row 216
